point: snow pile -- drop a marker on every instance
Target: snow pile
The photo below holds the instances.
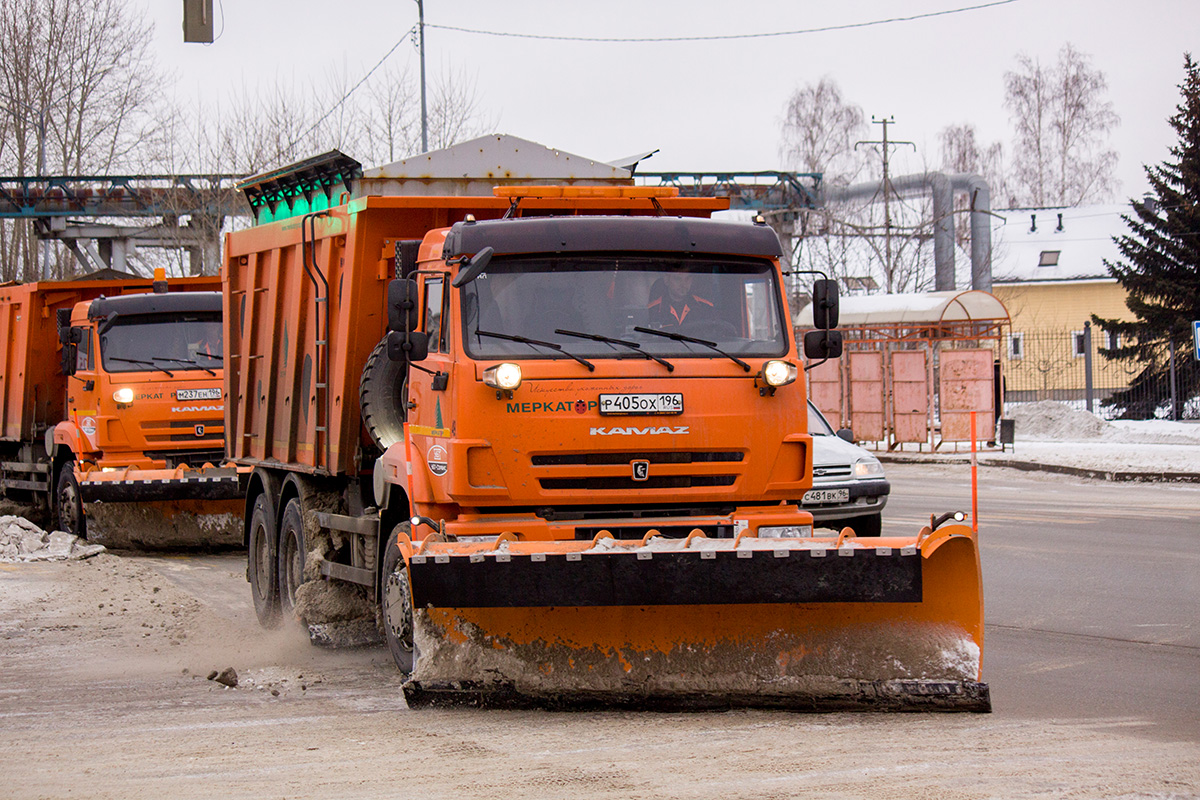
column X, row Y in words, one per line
column 1050, row 421
column 21, row 540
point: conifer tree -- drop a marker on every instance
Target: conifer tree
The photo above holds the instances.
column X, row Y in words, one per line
column 1160, row 270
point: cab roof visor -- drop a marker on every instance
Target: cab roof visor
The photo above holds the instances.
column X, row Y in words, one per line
column 612, row 234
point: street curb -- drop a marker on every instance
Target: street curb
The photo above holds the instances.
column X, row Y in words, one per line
column 1033, row 466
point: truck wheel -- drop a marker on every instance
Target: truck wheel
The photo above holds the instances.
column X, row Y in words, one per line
column 381, row 393
column 68, row 507
column 397, row 607
column 866, row 526
column 262, row 568
column 291, row 557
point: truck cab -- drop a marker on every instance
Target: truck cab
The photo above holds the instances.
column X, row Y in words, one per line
column 599, row 373
column 144, row 393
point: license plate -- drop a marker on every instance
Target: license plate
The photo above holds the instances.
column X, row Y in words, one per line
column 826, row 496
column 198, row 394
column 641, row 403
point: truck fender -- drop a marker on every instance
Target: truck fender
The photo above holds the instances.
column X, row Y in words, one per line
column 66, row 436
column 392, row 473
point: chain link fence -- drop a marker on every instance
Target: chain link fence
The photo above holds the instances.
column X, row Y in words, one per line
column 1067, row 366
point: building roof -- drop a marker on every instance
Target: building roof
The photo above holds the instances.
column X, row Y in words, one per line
column 1035, row 245
column 913, row 309
column 475, row 166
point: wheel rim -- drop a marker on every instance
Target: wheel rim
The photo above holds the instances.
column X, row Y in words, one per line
column 262, row 563
column 397, row 609
column 67, row 513
column 293, row 566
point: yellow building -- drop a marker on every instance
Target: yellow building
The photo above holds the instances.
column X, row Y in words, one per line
column 1048, row 269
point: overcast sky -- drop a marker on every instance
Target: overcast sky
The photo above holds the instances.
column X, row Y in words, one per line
column 711, row 105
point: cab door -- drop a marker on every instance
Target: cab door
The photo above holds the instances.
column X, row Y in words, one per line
column 431, row 389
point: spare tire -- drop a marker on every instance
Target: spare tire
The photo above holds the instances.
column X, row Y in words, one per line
column 383, row 397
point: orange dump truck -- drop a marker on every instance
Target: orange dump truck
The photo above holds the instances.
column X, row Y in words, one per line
column 550, row 441
column 112, row 409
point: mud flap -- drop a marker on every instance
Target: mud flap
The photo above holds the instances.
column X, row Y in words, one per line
column 803, row 623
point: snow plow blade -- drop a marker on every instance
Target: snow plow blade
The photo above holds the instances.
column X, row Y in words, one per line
column 169, row 508
column 806, row 623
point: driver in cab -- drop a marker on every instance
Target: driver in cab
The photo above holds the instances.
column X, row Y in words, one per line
column 673, row 302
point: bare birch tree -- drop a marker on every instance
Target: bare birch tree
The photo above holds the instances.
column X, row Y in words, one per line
column 819, row 131
column 1061, row 122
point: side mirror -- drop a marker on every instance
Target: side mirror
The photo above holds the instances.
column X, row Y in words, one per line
column 407, row 346
column 846, row 434
column 820, row 345
column 825, row 304
column 402, row 305
column 70, row 352
column 471, row 270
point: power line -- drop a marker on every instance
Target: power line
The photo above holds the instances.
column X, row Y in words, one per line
column 725, row 37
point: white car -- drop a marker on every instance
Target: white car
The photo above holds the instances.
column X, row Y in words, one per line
column 849, row 488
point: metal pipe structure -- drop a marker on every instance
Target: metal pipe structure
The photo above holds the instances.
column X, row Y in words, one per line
column 941, row 187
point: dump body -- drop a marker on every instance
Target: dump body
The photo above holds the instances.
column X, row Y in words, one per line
column 111, row 395
column 584, row 491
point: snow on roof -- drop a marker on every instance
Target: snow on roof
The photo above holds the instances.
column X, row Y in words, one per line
column 927, row 307
column 1055, row 244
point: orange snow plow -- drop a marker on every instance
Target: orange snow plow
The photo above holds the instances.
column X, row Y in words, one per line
column 811, row 623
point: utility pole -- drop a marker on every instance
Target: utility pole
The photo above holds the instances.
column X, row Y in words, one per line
column 421, row 45
column 885, row 150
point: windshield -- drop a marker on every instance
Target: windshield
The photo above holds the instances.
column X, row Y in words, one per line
column 136, row 343
column 817, row 426
column 615, row 306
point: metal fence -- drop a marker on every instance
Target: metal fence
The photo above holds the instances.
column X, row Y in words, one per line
column 1067, row 366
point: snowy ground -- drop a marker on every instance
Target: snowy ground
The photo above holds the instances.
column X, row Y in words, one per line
column 1057, row 434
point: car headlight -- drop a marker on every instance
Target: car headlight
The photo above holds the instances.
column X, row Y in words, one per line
column 868, row 468
column 123, row 396
column 778, row 373
column 506, row 376
column 786, row 532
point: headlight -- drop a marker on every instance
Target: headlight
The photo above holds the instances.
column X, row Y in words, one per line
column 786, row 532
column 506, row 376
column 868, row 468
column 123, row 396
column 778, row 373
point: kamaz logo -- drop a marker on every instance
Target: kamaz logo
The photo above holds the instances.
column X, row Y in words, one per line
column 187, row 409
column 680, row 430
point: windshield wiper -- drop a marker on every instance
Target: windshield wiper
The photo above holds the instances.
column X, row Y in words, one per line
column 634, row 346
column 186, row 361
column 150, row 364
column 525, row 340
column 679, row 337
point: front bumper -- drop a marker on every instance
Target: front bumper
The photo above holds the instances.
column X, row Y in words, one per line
column 866, row 498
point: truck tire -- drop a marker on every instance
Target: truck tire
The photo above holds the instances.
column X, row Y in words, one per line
column 262, row 568
column 396, row 603
column 291, row 557
column 68, row 506
column 382, row 397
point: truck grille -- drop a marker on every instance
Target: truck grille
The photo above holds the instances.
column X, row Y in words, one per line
column 603, row 483
column 164, row 432
column 608, row 459
column 193, row 458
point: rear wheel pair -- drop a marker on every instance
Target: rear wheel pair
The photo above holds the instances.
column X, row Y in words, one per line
column 275, row 563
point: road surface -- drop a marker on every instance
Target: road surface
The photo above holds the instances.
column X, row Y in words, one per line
column 1092, row 655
